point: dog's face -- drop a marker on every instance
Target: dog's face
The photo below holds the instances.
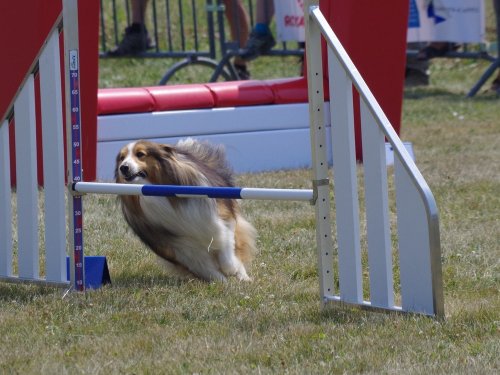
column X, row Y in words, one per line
column 139, row 162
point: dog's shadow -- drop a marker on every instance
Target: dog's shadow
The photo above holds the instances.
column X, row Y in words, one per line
column 147, row 280
column 25, row 292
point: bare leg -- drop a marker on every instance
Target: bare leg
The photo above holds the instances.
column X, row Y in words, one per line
column 136, row 39
column 265, row 11
column 139, row 11
column 239, row 23
column 261, row 38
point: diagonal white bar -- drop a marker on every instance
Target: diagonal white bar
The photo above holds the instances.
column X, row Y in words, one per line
column 410, row 187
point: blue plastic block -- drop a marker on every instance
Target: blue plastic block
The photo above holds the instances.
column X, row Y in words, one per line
column 96, row 271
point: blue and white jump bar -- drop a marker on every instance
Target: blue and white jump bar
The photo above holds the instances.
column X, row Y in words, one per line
column 194, row 191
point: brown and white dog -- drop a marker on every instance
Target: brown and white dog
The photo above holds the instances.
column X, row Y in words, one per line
column 202, row 237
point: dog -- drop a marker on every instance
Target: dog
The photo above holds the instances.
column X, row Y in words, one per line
column 204, row 238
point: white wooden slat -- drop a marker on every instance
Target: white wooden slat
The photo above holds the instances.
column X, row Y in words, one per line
column 377, row 211
column 27, row 185
column 5, row 203
column 53, row 160
column 345, row 182
column 418, row 222
column 184, row 123
column 320, row 164
column 414, row 245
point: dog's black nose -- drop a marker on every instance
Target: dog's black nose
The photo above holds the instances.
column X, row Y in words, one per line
column 124, row 168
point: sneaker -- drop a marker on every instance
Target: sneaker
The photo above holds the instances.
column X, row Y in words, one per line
column 135, row 41
column 257, row 45
column 242, row 71
column 415, row 77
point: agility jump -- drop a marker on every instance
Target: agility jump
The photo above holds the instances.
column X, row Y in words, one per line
column 417, row 217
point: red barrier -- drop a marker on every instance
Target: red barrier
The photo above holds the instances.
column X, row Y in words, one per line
column 25, row 27
column 374, row 36
column 375, row 42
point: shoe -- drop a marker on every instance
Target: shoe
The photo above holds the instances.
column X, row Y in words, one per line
column 414, row 77
column 242, row 71
column 495, row 86
column 257, row 45
column 436, row 50
column 136, row 40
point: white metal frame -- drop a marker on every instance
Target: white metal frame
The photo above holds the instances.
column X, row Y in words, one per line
column 23, row 112
column 52, row 139
column 417, row 216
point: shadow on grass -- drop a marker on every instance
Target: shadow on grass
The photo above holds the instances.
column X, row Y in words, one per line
column 435, row 92
column 25, row 292
column 145, row 280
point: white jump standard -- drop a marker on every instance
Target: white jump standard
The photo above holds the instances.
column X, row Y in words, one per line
column 415, row 243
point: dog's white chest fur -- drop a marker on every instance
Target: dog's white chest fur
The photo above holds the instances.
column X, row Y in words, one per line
column 199, row 214
column 202, row 240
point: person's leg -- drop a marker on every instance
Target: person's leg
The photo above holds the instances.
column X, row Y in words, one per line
column 135, row 39
column 261, row 39
column 417, row 70
column 264, row 12
column 239, row 24
column 139, row 11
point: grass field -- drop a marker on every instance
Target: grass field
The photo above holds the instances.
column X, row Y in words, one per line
column 147, row 323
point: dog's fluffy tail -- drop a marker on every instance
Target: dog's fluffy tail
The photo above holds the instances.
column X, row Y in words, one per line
column 245, row 235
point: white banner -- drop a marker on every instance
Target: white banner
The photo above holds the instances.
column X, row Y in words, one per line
column 459, row 21
column 289, row 20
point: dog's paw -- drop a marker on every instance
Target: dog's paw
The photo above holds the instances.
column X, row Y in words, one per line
column 236, row 270
column 245, row 278
column 241, row 274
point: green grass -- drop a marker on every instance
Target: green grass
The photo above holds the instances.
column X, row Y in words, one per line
column 147, row 323
column 116, row 72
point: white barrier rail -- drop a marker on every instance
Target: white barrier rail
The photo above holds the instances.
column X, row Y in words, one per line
column 194, row 191
column 417, row 217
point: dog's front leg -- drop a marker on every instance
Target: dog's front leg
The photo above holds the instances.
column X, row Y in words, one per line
column 229, row 263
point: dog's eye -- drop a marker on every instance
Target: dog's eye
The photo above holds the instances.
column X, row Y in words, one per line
column 140, row 154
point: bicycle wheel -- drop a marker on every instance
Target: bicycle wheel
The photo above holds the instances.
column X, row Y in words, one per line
column 198, row 70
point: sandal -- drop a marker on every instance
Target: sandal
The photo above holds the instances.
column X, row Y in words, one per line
column 436, row 50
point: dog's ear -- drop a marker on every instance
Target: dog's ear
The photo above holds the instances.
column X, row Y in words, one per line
column 164, row 151
column 167, row 150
